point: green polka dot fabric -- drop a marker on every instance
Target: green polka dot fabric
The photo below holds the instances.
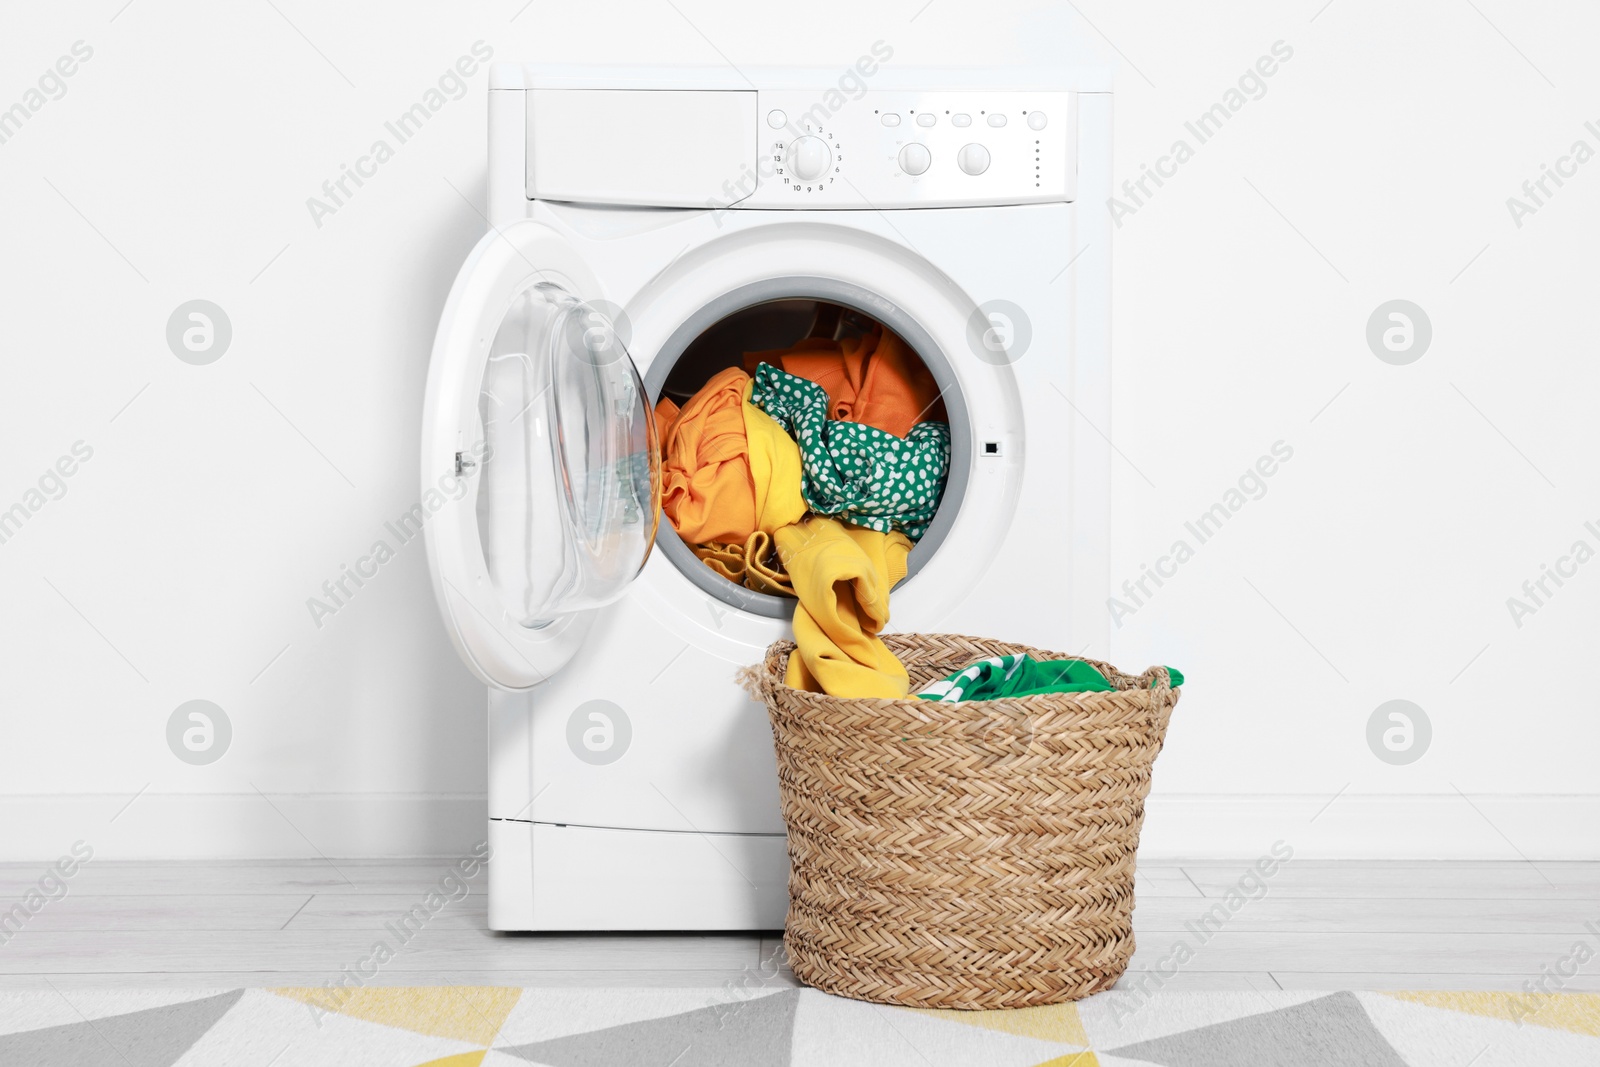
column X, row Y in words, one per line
column 855, row 472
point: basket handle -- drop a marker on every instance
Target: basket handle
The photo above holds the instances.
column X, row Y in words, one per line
column 1156, row 679
column 758, row 679
column 752, row 678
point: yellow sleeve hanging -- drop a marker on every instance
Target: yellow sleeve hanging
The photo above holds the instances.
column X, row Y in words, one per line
column 842, row 576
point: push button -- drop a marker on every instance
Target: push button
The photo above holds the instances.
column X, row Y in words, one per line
column 1037, row 120
column 776, row 119
column 891, row 119
column 997, row 119
column 927, row 118
column 961, row 120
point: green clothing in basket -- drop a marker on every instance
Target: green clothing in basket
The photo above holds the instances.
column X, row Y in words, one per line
column 855, row 472
column 1021, row 676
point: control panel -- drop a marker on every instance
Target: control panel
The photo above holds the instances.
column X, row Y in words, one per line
column 801, row 148
column 883, row 149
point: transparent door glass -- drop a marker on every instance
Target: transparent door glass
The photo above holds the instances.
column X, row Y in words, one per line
column 569, row 491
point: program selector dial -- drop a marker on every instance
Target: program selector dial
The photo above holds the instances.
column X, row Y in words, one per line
column 809, row 158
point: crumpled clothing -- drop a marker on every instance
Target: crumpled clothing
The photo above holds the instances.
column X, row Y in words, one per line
column 776, row 469
column 873, row 379
column 754, row 564
column 842, row 576
column 727, row 469
column 1016, row 676
column 855, row 472
column 1021, row 675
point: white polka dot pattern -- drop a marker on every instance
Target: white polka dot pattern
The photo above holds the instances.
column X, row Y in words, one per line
column 855, row 472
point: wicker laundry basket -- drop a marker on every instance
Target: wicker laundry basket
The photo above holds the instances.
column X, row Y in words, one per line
column 962, row 855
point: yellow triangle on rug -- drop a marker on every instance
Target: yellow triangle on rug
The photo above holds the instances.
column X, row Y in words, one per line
column 1073, row 1059
column 460, row 1059
column 467, row 1013
column 1048, row 1022
column 1575, row 1012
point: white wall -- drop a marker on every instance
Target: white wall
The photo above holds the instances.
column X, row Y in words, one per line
column 1420, row 497
column 218, row 498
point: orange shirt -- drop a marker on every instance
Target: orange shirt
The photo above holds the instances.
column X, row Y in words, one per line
column 727, row 469
column 874, row 379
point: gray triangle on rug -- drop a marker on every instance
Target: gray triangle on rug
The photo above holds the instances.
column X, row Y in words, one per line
column 154, row 1037
column 1331, row 1031
column 753, row 1033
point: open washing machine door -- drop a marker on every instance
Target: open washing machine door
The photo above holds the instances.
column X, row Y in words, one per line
column 541, row 485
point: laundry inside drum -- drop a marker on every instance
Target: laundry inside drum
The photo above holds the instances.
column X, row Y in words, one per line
column 787, row 412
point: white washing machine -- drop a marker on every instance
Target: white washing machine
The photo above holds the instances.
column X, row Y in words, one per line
column 639, row 220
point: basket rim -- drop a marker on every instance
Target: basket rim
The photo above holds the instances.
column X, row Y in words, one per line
column 770, row 672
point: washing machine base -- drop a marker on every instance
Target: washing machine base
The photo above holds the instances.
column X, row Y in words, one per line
column 544, row 876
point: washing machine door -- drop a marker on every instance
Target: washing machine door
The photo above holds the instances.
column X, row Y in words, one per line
column 541, row 483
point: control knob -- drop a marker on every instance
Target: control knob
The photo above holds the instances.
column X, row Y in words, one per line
column 973, row 159
column 915, row 158
column 809, row 158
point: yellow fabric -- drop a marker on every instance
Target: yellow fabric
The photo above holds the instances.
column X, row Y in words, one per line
column 842, row 576
column 747, row 564
column 760, row 574
column 727, row 468
column 726, row 560
column 775, row 469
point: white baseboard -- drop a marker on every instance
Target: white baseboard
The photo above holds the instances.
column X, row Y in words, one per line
column 242, row 825
column 1177, row 826
column 1373, row 826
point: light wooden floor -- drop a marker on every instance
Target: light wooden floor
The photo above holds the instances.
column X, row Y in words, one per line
column 1321, row 925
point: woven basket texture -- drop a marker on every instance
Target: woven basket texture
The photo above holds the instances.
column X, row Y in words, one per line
column 962, row 855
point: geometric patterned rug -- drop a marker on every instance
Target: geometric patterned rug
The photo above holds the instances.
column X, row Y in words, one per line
column 471, row 1026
